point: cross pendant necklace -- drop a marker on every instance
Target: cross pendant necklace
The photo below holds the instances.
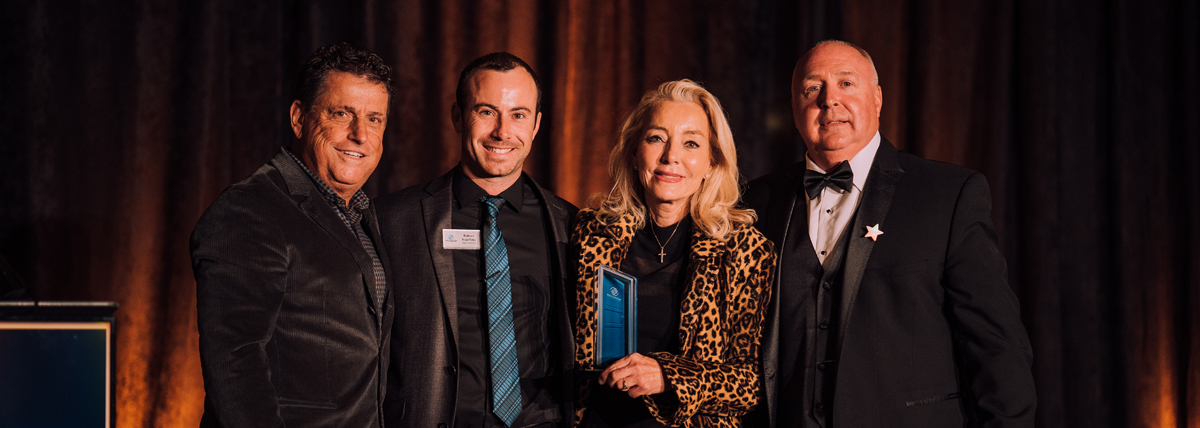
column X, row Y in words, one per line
column 662, row 247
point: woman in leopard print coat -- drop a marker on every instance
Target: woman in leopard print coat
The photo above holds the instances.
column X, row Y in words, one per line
column 675, row 164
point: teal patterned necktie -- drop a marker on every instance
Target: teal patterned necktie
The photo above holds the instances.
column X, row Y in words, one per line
column 506, row 394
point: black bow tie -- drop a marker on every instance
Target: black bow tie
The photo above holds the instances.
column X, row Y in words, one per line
column 841, row 176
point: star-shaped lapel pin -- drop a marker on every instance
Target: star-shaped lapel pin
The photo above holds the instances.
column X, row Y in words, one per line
column 873, row 232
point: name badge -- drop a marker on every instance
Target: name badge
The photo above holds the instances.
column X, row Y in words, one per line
column 460, row 239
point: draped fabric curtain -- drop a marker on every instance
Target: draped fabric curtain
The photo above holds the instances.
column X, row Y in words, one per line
column 121, row 121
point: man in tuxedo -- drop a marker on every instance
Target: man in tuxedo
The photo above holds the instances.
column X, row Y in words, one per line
column 892, row 306
column 292, row 294
column 481, row 336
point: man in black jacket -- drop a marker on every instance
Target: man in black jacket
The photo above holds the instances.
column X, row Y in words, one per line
column 891, row 305
column 292, row 293
column 481, row 336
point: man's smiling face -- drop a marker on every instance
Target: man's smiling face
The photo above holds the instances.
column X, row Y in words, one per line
column 340, row 137
column 836, row 99
column 498, row 123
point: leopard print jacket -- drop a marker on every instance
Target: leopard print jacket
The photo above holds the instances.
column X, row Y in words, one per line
column 715, row 378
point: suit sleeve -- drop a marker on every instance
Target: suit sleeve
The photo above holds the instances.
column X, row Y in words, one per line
column 996, row 358
column 240, row 262
column 728, row 387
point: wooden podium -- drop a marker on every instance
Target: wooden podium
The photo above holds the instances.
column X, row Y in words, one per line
column 56, row 364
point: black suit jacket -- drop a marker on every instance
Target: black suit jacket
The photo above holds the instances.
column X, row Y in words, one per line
column 930, row 332
column 289, row 332
column 423, row 385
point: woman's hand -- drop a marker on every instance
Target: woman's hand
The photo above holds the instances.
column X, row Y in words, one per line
column 635, row 374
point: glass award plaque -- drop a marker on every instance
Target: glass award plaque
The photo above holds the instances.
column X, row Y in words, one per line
column 616, row 315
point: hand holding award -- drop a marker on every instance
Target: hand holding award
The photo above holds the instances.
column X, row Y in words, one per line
column 635, row 374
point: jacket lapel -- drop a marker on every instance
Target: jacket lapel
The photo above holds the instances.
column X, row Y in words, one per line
column 558, row 218
column 562, row 292
column 876, row 200
column 436, row 210
column 618, row 235
column 310, row 200
column 703, row 264
column 783, row 204
column 777, row 225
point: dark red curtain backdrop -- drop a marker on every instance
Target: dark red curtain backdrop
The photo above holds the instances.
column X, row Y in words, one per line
column 121, row 121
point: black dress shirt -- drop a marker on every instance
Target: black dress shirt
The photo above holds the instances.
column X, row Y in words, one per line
column 523, row 227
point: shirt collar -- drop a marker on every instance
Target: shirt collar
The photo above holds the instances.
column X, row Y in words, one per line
column 860, row 164
column 467, row 192
column 358, row 202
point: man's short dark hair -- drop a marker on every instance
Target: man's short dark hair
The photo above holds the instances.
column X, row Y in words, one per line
column 345, row 58
column 497, row 61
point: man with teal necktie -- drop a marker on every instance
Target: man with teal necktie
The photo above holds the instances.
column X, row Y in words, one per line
column 482, row 337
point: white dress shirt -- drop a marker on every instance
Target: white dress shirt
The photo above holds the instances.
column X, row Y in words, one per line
column 831, row 211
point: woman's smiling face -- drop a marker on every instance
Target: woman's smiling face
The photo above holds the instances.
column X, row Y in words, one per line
column 675, row 153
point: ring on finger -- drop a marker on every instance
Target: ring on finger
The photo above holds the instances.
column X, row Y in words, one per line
column 624, row 384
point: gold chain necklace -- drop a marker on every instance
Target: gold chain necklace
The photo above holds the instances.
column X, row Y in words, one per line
column 662, row 247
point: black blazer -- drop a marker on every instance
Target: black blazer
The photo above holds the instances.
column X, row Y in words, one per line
column 285, row 292
column 930, row 332
column 423, row 385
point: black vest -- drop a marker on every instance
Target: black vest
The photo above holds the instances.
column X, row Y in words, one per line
column 809, row 297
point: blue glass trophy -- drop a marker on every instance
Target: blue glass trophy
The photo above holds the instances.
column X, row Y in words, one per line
column 616, row 315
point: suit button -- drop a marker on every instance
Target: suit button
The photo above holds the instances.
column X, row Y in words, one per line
column 443, row 426
column 452, row 370
column 821, row 366
column 823, row 325
column 825, row 285
column 820, row 408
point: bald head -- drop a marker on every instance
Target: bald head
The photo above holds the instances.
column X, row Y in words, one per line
column 800, row 62
column 836, row 101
